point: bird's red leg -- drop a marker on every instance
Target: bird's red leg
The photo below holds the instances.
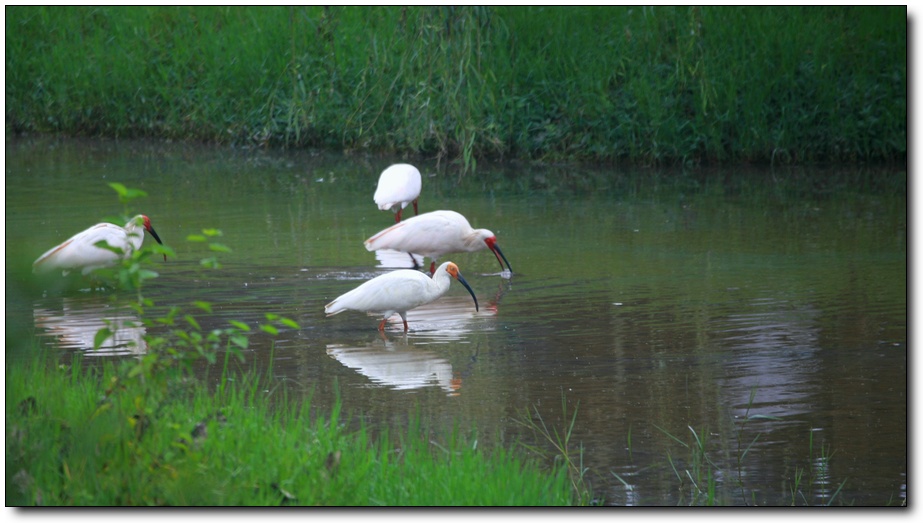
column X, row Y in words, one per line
column 406, row 328
column 397, row 216
column 381, row 326
column 432, row 268
column 415, row 208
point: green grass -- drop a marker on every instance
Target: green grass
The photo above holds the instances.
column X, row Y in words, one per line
column 651, row 85
column 74, row 438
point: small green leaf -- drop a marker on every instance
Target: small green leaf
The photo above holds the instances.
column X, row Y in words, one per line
column 103, row 244
column 119, row 188
column 162, row 249
column 195, row 238
column 240, row 325
column 135, row 193
column 290, row 323
column 145, row 274
column 210, row 263
column 101, row 336
column 204, row 305
column 126, row 194
column 240, row 340
column 192, row 321
column 270, row 329
column 217, row 247
column 211, row 232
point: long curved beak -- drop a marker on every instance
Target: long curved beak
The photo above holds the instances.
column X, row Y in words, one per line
column 154, row 234
column 499, row 254
column 461, row 279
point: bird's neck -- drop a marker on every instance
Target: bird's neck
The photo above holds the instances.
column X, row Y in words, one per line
column 474, row 241
column 442, row 280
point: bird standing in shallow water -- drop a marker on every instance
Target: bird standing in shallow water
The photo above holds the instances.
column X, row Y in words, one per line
column 398, row 292
column 82, row 253
column 435, row 234
column 398, row 186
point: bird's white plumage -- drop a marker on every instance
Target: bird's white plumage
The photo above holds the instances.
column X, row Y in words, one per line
column 433, row 235
column 397, row 292
column 398, row 186
column 80, row 252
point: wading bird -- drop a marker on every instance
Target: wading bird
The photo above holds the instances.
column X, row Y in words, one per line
column 398, row 186
column 397, row 292
column 82, row 252
column 434, row 234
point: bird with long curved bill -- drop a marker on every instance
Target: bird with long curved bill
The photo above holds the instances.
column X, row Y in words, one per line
column 435, row 234
column 102, row 245
column 397, row 292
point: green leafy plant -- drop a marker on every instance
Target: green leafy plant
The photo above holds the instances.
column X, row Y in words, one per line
column 142, row 390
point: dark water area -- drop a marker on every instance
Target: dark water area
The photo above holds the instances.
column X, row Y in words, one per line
column 758, row 314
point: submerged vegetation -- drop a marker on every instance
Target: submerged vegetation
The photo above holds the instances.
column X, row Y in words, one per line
column 652, row 85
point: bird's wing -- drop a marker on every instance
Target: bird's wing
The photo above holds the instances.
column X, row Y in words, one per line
column 392, row 291
column 417, row 234
column 80, row 251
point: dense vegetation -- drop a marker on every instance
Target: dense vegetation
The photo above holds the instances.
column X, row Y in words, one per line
column 81, row 438
column 649, row 85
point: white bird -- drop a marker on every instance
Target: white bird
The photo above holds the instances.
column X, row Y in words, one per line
column 83, row 252
column 398, row 186
column 434, row 234
column 398, row 292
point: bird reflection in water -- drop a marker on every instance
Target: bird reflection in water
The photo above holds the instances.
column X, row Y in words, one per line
column 391, row 259
column 398, row 365
column 449, row 318
column 74, row 327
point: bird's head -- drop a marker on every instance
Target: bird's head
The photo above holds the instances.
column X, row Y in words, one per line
column 491, row 243
column 453, row 271
column 147, row 227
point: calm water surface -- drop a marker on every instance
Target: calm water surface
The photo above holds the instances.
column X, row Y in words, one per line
column 763, row 309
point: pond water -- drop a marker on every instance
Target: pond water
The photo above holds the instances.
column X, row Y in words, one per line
column 761, row 312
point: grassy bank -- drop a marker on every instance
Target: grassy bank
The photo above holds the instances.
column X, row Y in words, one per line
column 597, row 84
column 74, row 439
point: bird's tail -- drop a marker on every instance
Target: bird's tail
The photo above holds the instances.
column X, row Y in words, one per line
column 372, row 243
column 333, row 308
